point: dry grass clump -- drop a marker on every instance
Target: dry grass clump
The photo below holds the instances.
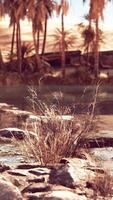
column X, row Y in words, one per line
column 102, row 185
column 56, row 135
column 54, row 139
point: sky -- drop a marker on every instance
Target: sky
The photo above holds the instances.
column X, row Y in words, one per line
column 78, row 10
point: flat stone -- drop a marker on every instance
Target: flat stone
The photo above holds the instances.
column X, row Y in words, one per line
column 40, row 187
column 17, row 172
column 33, row 118
column 27, row 166
column 98, row 140
column 37, row 180
column 12, row 132
column 57, row 195
column 40, row 171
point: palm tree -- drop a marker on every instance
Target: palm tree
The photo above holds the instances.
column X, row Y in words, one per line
column 36, row 16
column 16, row 11
column 88, row 36
column 2, row 14
column 48, row 7
column 38, row 13
column 2, row 9
column 69, row 41
column 62, row 9
column 95, row 13
column 11, row 12
column 27, row 50
column 20, row 12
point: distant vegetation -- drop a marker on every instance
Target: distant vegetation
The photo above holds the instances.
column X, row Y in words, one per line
column 38, row 12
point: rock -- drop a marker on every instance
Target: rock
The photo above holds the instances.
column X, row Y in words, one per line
column 8, row 118
column 8, row 191
column 12, row 117
column 40, row 187
column 17, row 172
column 98, row 140
column 4, row 140
column 61, row 176
column 37, row 180
column 72, row 179
column 12, row 132
column 57, row 195
column 40, row 118
column 40, row 171
column 4, row 168
column 64, row 195
column 28, row 166
column 73, row 173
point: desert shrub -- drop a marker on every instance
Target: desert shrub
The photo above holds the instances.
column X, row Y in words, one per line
column 56, row 134
column 55, row 137
column 102, row 185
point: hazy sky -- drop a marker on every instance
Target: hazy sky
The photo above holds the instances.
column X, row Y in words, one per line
column 78, row 10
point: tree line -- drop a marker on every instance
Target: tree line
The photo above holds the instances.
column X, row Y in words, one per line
column 38, row 12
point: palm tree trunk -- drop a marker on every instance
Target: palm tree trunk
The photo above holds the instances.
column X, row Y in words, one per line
column 19, row 53
column 97, row 48
column 87, row 53
column 38, row 40
column 12, row 42
column 17, row 40
column 88, row 46
column 45, row 36
column 35, row 46
column 63, row 45
column 1, row 61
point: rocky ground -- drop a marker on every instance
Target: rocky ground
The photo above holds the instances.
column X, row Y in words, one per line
column 79, row 178
column 72, row 179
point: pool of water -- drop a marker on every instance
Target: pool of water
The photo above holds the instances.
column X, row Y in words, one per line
column 77, row 97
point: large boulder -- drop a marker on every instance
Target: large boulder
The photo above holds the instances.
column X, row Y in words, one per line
column 74, row 172
column 61, row 176
column 8, row 191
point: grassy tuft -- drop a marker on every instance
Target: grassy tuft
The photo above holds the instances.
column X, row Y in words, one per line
column 103, row 186
column 58, row 133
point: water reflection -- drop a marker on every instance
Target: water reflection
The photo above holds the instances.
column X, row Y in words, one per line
column 77, row 97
